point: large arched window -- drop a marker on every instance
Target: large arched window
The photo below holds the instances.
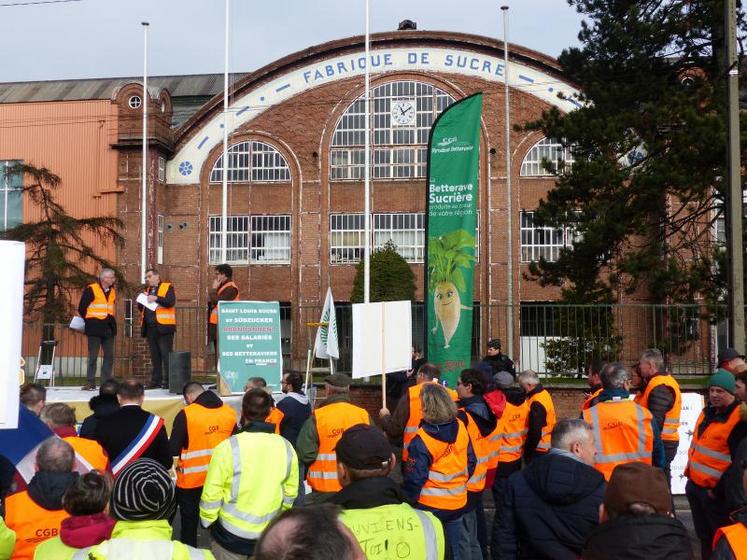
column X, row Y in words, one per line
column 401, row 117
column 546, row 149
column 252, row 162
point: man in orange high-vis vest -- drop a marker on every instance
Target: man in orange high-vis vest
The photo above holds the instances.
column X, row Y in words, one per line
column 709, row 457
column 406, row 419
column 223, row 289
column 198, row 428
column 661, row 395
column 321, row 432
column 60, row 417
column 35, row 514
column 624, row 432
column 158, row 326
column 730, row 543
column 97, row 307
column 594, row 380
column 276, row 415
column 480, row 422
column 541, row 414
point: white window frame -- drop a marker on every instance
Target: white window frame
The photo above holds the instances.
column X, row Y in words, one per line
column 6, row 188
column 161, row 168
column 161, row 222
column 347, row 238
column 270, row 241
column 546, row 149
column 397, row 151
column 407, row 228
column 252, row 161
column 237, row 240
column 538, row 242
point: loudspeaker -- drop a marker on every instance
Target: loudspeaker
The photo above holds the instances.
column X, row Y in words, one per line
column 180, row 370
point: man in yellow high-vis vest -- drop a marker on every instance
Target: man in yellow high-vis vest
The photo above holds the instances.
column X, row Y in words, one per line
column 97, row 307
column 158, row 326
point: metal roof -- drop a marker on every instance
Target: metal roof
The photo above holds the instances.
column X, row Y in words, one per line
column 198, row 85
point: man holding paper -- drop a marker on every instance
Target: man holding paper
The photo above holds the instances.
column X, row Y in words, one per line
column 158, row 325
column 97, row 307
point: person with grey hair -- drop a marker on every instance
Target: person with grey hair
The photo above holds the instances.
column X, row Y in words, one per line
column 624, row 431
column 97, row 307
column 661, row 395
column 35, row 514
column 541, row 414
column 551, row 506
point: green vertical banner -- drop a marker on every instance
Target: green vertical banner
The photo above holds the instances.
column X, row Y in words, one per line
column 451, row 220
column 249, row 344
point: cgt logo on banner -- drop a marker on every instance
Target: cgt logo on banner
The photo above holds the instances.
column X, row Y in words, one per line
column 692, row 405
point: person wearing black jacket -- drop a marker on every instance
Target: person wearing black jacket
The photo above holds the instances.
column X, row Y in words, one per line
column 496, row 360
column 118, row 430
column 158, row 331
column 636, row 519
column 551, row 507
column 101, row 327
column 103, row 404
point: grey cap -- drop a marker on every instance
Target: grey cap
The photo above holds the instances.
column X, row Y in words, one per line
column 503, row 380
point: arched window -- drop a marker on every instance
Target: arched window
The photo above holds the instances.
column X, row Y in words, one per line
column 252, row 162
column 546, row 149
column 401, row 117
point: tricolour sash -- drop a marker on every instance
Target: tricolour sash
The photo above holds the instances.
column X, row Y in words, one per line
column 138, row 445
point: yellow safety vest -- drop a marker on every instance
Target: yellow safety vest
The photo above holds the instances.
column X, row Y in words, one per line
column 100, row 307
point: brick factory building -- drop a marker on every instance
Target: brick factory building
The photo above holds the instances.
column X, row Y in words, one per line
column 296, row 168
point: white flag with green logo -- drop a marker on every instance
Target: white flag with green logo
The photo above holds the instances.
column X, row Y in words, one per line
column 326, row 337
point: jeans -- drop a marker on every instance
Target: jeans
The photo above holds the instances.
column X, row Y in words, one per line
column 221, row 553
column 188, row 500
column 482, row 528
column 453, row 534
column 708, row 516
column 499, row 489
column 106, row 343
column 160, row 345
column 469, row 545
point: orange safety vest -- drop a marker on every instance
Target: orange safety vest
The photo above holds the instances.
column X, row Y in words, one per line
column 416, row 414
column 206, row 428
column 214, row 310
column 587, row 403
column 164, row 315
column 32, row 523
column 670, row 429
column 331, row 422
column 481, row 447
column 545, row 399
column 91, row 451
column 736, row 536
column 446, row 486
column 275, row 417
column 708, row 456
column 622, row 434
column 101, row 307
column 513, row 432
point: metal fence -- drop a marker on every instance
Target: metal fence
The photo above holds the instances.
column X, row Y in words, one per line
column 554, row 339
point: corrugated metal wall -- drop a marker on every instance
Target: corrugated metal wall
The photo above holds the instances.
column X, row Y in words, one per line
column 71, row 139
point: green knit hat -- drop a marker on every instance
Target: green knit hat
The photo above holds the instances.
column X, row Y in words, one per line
column 724, row 379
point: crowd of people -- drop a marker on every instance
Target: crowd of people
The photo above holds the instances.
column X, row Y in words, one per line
column 593, row 486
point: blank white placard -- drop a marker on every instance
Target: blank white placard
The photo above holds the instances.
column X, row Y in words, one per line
column 371, row 321
column 12, row 255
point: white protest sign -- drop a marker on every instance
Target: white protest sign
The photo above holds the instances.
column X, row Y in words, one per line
column 382, row 338
column 692, row 405
column 13, row 256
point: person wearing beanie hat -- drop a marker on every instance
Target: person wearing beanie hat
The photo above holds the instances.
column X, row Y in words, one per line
column 636, row 519
column 497, row 360
column 142, row 504
column 320, row 433
column 370, row 498
column 709, row 457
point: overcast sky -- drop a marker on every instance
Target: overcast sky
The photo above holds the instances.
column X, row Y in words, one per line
column 103, row 38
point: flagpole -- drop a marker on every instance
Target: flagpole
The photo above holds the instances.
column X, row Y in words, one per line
column 509, row 193
column 144, row 165
column 367, row 171
column 224, row 192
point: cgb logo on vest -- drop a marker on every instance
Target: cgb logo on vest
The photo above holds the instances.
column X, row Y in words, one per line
column 336, row 432
column 612, row 425
column 212, row 429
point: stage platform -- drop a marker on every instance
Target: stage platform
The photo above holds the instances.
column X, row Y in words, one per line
column 158, row 401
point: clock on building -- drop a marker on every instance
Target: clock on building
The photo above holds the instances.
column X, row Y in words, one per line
column 403, row 112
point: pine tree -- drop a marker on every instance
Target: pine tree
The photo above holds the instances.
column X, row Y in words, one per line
column 59, row 262
column 392, row 279
column 648, row 141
